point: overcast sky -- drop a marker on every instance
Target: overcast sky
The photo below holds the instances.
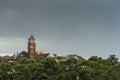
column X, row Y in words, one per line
column 83, row 27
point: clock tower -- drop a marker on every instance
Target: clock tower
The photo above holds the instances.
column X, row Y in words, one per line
column 31, row 46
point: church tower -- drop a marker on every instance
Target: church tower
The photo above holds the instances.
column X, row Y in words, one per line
column 31, row 46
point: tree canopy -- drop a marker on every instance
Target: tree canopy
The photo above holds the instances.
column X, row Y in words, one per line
column 73, row 68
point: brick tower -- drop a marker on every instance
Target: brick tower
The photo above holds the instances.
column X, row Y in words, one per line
column 31, row 46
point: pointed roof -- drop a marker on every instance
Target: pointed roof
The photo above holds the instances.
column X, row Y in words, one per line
column 31, row 38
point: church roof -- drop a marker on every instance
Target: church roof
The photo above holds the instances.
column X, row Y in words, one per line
column 31, row 38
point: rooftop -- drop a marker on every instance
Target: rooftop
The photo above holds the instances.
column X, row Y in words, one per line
column 31, row 38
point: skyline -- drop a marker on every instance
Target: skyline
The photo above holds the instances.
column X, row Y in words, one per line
column 83, row 27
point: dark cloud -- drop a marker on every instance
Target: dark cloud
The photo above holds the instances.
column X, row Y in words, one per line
column 73, row 25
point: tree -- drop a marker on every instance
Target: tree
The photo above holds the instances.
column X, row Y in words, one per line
column 113, row 59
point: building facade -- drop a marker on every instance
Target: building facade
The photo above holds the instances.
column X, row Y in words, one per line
column 31, row 46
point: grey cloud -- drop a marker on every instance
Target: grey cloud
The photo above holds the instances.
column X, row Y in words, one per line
column 72, row 25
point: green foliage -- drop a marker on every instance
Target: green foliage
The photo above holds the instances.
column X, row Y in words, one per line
column 73, row 68
column 113, row 59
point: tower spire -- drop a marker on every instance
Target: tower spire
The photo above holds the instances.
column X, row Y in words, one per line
column 31, row 37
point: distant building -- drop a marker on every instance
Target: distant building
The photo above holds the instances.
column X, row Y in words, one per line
column 31, row 46
column 61, row 58
column 32, row 50
column 8, row 57
column 48, row 55
column 39, row 52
